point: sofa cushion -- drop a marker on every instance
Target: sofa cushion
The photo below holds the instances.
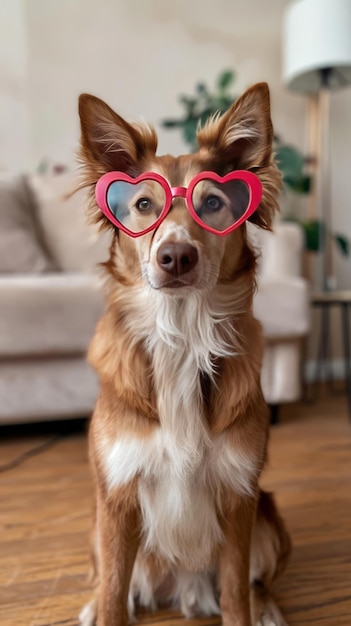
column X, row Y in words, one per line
column 282, row 307
column 279, row 252
column 20, row 247
column 52, row 314
column 74, row 244
column 43, row 389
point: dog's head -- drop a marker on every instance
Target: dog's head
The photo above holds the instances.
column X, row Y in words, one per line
column 179, row 253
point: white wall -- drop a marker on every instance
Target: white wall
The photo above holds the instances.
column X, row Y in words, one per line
column 14, row 141
column 139, row 55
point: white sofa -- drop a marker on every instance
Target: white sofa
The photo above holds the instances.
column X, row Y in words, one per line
column 50, row 301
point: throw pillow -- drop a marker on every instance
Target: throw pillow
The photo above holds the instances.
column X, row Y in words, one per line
column 20, row 247
column 74, row 244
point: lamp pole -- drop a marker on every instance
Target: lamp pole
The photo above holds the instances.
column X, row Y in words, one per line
column 325, row 214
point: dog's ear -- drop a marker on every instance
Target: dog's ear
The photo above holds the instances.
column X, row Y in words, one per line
column 243, row 136
column 108, row 140
column 109, row 143
column 242, row 139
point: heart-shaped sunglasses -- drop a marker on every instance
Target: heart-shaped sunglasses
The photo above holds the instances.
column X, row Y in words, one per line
column 219, row 204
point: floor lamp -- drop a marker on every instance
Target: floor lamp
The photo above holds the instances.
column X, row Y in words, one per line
column 316, row 61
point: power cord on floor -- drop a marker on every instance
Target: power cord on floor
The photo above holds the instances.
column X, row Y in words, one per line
column 41, row 447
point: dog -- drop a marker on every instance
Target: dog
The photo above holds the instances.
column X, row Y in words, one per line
column 178, row 438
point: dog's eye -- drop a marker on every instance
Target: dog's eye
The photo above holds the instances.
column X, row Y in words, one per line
column 144, row 204
column 213, row 203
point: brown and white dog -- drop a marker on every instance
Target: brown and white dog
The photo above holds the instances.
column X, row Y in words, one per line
column 179, row 434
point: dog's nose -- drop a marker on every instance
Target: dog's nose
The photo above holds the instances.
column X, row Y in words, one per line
column 177, row 258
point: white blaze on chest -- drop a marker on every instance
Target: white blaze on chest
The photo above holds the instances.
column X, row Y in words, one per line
column 179, row 496
column 181, row 468
column 178, row 508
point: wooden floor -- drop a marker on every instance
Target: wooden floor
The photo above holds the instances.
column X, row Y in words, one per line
column 45, row 508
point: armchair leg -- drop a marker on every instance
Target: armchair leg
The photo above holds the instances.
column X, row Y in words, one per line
column 274, row 411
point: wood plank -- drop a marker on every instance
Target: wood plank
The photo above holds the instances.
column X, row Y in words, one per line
column 45, row 520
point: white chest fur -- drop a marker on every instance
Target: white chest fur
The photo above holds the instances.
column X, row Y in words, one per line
column 179, row 493
column 181, row 468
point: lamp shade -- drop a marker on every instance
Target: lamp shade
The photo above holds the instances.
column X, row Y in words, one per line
column 317, row 45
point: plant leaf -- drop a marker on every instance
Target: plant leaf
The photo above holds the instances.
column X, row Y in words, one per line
column 298, row 184
column 343, row 244
column 189, row 132
column 172, row 123
column 225, row 79
column 313, row 230
column 201, row 88
column 290, row 161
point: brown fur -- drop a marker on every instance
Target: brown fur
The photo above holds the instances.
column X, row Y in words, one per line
column 232, row 403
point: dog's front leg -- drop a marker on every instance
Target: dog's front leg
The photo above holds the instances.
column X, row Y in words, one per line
column 235, row 561
column 118, row 531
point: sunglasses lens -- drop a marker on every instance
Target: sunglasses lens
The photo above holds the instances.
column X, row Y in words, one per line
column 137, row 206
column 220, row 204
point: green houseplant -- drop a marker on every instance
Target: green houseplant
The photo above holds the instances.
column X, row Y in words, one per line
column 203, row 103
column 293, row 165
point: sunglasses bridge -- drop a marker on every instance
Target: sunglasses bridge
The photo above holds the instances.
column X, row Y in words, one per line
column 178, row 192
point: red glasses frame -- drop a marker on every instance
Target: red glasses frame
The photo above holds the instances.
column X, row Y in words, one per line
column 252, row 181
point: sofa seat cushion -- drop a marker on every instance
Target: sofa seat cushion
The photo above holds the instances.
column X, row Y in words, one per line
column 43, row 389
column 282, row 307
column 51, row 314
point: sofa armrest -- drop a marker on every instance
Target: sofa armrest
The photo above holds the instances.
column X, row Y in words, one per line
column 279, row 252
column 282, row 307
column 281, row 302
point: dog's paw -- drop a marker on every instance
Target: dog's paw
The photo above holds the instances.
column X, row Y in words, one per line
column 88, row 614
column 267, row 619
column 271, row 616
